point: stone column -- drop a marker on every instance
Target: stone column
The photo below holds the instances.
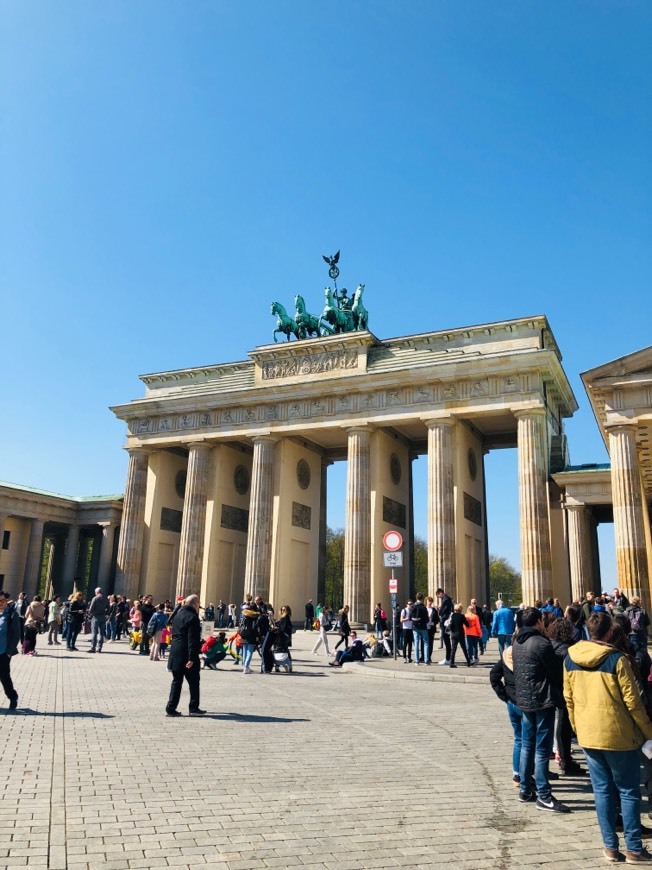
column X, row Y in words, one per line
column 258, row 565
column 193, row 524
column 441, row 508
column 33, row 562
column 106, row 553
column 536, row 559
column 580, row 550
column 130, row 545
column 82, row 559
column 70, row 559
column 357, row 539
column 628, row 512
column 3, row 520
column 323, row 504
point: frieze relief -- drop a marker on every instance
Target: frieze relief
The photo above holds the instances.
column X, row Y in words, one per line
column 301, row 515
column 322, row 406
column 310, row 364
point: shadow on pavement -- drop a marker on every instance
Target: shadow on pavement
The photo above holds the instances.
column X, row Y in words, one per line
column 68, row 714
column 250, row 717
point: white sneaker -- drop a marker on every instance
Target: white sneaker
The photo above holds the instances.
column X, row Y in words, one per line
column 247, row 671
column 444, row 662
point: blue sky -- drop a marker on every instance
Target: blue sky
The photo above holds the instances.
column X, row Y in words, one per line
column 170, row 168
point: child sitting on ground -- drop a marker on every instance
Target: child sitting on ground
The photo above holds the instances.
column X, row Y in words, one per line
column 213, row 651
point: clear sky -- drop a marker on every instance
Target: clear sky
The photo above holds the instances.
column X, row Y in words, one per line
column 170, row 168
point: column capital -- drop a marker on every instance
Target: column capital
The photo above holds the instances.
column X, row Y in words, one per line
column 198, row 445
column 363, row 428
column 629, row 426
column 139, row 451
column 574, row 506
column 106, row 525
column 433, row 422
column 535, row 411
column 266, row 438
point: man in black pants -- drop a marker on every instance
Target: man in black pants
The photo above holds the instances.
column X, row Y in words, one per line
column 445, row 610
column 9, row 640
column 310, row 616
column 183, row 660
column 147, row 610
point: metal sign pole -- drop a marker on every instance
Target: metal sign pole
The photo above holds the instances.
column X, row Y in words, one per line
column 394, row 620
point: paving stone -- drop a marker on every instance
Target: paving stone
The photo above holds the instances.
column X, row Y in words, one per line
column 178, row 796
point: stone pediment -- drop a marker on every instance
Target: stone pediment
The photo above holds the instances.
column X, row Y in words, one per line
column 638, row 363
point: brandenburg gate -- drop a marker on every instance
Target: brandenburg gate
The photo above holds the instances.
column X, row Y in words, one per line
column 226, row 487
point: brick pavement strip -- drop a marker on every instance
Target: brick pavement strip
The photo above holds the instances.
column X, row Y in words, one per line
column 325, row 768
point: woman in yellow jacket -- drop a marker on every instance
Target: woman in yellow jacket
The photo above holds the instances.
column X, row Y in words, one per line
column 608, row 715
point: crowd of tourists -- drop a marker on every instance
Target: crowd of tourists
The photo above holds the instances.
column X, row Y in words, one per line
column 583, row 673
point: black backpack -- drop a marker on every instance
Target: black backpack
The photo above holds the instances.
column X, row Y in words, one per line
column 419, row 616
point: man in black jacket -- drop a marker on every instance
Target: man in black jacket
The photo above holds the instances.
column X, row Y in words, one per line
column 147, row 610
column 445, row 610
column 183, row 660
column 10, row 625
column 539, row 687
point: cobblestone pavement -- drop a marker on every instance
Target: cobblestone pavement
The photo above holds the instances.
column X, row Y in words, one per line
column 323, row 768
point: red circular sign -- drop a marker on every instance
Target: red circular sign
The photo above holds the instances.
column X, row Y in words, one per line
column 392, row 541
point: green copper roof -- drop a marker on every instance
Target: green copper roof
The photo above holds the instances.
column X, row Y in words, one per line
column 77, row 498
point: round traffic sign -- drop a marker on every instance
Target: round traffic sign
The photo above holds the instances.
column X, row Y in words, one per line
column 392, row 541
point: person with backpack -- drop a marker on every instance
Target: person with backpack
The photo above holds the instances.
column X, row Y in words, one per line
column 408, row 636
column 324, row 625
column 639, row 622
column 155, row 626
column 248, row 632
column 420, row 631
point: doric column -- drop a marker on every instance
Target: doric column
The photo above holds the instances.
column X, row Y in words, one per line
column 33, row 561
column 536, row 560
column 130, row 545
column 82, row 558
column 441, row 507
column 193, row 524
column 106, row 553
column 357, row 539
column 323, row 527
column 3, row 520
column 70, row 559
column 628, row 512
column 580, row 550
column 258, row 565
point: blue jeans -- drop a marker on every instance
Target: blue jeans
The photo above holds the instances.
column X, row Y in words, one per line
column 97, row 624
column 538, row 729
column 516, row 718
column 617, row 774
column 247, row 654
column 111, row 631
column 472, row 646
column 421, row 645
column 504, row 640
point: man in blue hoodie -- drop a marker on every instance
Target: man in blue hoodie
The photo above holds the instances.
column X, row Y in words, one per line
column 502, row 625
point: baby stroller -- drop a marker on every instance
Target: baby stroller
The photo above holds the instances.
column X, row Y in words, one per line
column 282, row 657
column 282, row 660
